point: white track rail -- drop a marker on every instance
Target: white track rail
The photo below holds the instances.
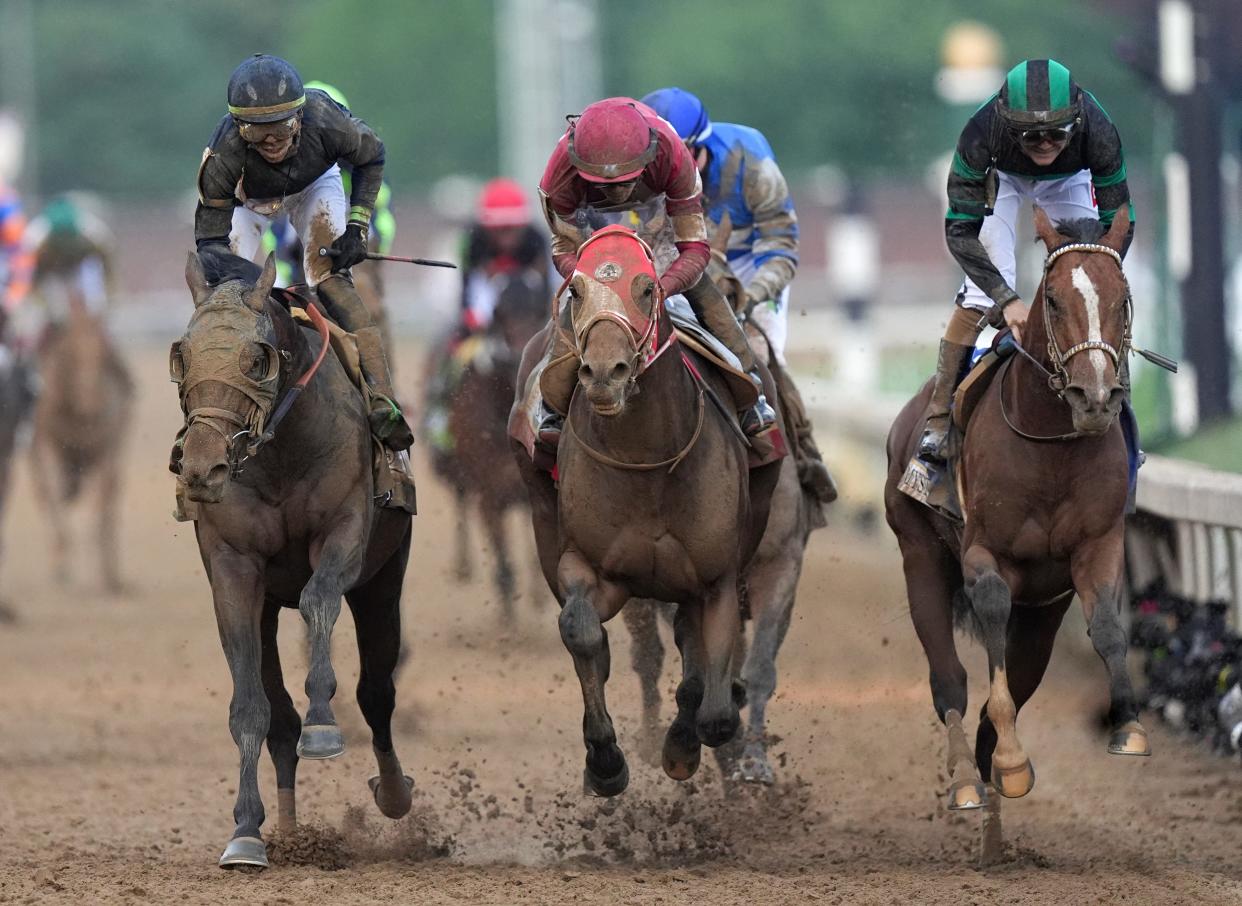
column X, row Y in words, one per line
column 1202, row 559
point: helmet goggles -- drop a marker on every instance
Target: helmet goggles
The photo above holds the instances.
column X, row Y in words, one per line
column 256, row 133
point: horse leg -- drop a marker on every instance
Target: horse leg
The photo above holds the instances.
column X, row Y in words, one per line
column 718, row 717
column 109, row 480
column 647, row 659
column 1011, row 770
column 1032, row 632
column 773, row 587
column 1097, row 569
column 494, row 519
column 681, row 754
column 43, row 462
column 930, row 578
column 237, row 590
column 336, row 566
column 285, row 724
column 376, row 607
column 464, row 568
column 588, row 604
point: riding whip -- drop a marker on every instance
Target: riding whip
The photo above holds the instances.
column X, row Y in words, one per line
column 326, row 252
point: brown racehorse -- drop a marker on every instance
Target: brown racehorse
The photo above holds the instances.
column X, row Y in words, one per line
column 1043, row 480
column 81, row 421
column 655, row 500
column 770, row 582
column 285, row 520
column 480, row 468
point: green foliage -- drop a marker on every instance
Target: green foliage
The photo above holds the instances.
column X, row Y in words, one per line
column 130, row 90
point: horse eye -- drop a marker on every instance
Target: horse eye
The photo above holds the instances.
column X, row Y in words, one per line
column 1051, row 300
column 256, row 366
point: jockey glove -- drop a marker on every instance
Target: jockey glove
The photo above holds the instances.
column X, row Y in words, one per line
column 351, row 247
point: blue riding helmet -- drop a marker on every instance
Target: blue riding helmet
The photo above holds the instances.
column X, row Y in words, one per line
column 683, row 111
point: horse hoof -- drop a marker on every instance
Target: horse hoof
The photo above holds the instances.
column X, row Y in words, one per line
column 754, row 769
column 319, row 741
column 1129, row 739
column 394, row 801
column 680, row 757
column 244, row 852
column 605, row 787
column 1016, row 782
column 966, row 794
column 717, row 731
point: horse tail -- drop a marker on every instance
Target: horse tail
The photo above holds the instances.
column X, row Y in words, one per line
column 964, row 616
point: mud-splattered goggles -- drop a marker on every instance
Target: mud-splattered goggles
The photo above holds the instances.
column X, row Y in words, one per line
column 1033, row 138
column 256, row 133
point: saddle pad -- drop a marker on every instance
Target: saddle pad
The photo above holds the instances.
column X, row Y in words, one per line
column 345, row 347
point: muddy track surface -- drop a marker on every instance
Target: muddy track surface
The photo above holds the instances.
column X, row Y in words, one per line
column 117, row 772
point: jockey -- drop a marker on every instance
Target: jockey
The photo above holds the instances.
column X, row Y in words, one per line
column 501, row 241
column 618, row 154
column 1041, row 139
column 72, row 250
column 743, row 186
column 280, row 148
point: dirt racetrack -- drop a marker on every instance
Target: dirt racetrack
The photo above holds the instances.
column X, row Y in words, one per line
column 117, row 772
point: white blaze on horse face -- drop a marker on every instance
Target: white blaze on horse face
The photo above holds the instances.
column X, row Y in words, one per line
column 1083, row 284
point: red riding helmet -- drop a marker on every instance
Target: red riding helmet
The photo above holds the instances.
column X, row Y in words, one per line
column 611, row 142
column 503, row 203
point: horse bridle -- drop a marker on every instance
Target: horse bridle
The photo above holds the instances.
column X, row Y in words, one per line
column 1058, row 378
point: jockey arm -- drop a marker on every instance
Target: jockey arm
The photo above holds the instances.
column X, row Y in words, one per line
column 1108, row 166
column 968, row 205
column 349, row 140
column 776, row 250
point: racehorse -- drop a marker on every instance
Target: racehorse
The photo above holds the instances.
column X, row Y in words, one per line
column 654, row 499
column 770, row 582
column 479, row 467
column 286, row 518
column 81, row 421
column 1043, row 478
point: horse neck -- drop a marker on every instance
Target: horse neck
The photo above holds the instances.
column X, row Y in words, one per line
column 658, row 419
column 301, row 437
column 1038, row 408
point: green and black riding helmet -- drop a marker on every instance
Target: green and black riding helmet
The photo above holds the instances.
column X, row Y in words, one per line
column 1040, row 99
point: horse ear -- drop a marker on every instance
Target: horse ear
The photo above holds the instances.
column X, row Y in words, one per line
column 1046, row 231
column 196, row 280
column 257, row 297
column 1115, row 238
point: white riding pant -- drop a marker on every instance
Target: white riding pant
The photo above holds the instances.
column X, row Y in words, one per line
column 318, row 213
column 771, row 316
column 1062, row 199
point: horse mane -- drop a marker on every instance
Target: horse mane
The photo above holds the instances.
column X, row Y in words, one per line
column 220, row 266
column 1082, row 229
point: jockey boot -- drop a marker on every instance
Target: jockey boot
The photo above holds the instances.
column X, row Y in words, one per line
column 949, row 365
column 551, row 423
column 340, row 298
column 558, row 385
column 387, row 422
column 812, row 473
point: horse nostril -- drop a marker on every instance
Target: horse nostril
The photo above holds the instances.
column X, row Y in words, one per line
column 1116, row 398
column 620, row 372
column 584, row 373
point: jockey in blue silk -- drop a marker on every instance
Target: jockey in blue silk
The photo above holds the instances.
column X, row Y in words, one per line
column 745, row 193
